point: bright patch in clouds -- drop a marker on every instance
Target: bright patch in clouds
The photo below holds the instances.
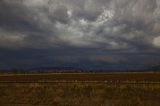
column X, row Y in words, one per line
column 82, row 32
column 156, row 41
column 69, row 12
column 105, row 16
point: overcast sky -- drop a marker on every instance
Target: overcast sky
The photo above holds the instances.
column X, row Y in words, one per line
column 90, row 34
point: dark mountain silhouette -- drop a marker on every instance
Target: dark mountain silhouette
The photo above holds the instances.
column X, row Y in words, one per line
column 73, row 70
column 55, row 69
column 155, row 68
column 44, row 70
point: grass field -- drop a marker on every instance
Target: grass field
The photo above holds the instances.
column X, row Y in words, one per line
column 110, row 77
column 80, row 89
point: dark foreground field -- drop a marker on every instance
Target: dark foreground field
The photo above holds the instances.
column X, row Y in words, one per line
column 83, row 89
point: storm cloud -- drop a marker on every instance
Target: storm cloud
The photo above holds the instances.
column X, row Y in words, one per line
column 97, row 33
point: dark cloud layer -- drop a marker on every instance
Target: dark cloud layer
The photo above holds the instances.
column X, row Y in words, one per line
column 94, row 34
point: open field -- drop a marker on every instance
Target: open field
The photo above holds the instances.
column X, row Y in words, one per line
column 108, row 77
column 80, row 89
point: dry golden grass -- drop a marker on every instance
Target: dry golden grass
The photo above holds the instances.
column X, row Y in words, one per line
column 113, row 89
column 79, row 94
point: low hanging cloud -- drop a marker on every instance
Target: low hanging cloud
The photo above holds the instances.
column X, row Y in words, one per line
column 116, row 26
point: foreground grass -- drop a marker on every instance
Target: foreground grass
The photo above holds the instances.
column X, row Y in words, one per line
column 79, row 94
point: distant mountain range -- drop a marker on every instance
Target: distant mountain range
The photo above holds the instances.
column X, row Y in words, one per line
column 155, row 68
column 55, row 69
column 72, row 69
column 44, row 70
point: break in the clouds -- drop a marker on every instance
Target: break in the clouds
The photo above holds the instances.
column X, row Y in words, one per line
column 93, row 32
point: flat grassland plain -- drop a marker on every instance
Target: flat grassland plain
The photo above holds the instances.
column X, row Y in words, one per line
column 80, row 89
